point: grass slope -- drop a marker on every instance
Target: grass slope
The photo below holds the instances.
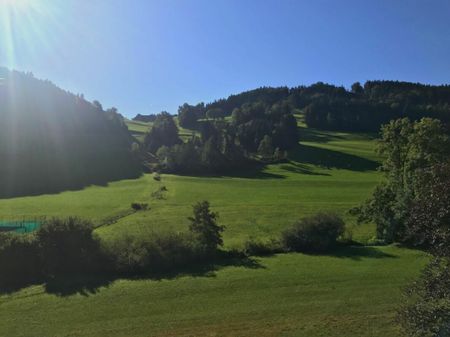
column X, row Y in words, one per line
column 138, row 129
column 353, row 293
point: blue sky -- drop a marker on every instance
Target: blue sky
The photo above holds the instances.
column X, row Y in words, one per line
column 144, row 56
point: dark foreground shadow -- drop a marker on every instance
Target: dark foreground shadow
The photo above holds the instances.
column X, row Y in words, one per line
column 53, row 180
column 87, row 285
column 331, row 159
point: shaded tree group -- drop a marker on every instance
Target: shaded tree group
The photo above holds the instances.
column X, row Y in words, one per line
column 52, row 140
column 412, row 206
column 144, row 118
column 255, row 131
column 164, row 132
column 188, row 115
column 276, row 123
column 409, row 150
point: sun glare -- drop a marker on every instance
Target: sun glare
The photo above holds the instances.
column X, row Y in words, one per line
column 15, row 3
column 21, row 24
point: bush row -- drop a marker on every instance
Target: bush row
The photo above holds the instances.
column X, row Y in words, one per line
column 64, row 247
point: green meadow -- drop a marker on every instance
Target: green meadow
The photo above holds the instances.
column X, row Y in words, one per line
column 352, row 292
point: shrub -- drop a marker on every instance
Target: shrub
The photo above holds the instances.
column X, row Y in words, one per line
column 313, row 234
column 139, row 206
column 68, row 246
column 19, row 259
column 158, row 252
column 257, row 247
column 159, row 193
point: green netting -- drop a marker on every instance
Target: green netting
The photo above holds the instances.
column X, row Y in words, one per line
column 19, row 226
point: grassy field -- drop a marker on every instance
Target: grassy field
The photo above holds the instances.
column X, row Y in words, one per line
column 353, row 292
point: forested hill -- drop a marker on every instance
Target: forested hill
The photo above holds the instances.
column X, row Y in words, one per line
column 52, row 140
column 362, row 108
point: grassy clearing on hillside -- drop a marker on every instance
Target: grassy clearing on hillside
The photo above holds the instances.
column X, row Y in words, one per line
column 138, row 129
column 353, row 293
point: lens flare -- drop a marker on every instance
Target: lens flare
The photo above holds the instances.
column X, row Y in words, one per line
column 21, row 24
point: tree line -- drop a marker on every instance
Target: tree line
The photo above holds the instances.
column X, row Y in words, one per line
column 325, row 106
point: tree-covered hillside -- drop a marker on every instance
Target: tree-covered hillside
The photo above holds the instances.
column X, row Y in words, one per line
column 52, row 140
column 362, row 108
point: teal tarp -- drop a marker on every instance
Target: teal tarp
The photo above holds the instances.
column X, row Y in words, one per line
column 19, row 226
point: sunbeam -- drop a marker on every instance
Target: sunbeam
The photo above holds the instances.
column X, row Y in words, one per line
column 21, row 25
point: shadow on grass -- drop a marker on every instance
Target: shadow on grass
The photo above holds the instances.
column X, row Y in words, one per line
column 249, row 171
column 357, row 253
column 354, row 252
column 326, row 158
column 87, row 285
column 317, row 136
column 29, row 183
column 324, row 136
column 90, row 284
column 299, row 168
